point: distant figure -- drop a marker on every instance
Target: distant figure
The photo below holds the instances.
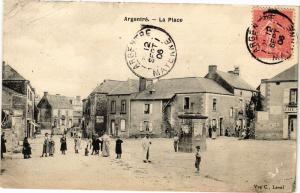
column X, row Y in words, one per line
column 197, row 159
column 97, row 145
column 175, row 141
column 51, row 146
column 106, row 145
column 26, row 149
column 236, row 131
column 3, row 146
column 227, row 132
column 86, row 151
column 119, row 147
column 93, row 144
column 146, row 142
column 76, row 144
column 209, row 131
column 214, row 132
column 45, row 146
column 63, row 144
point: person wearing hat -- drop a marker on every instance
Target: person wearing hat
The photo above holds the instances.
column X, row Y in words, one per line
column 198, row 159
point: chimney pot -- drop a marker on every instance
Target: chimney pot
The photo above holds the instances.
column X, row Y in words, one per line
column 45, row 93
column 236, row 70
column 212, row 68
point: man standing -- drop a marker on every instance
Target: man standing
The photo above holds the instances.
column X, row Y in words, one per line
column 146, row 142
column 176, row 139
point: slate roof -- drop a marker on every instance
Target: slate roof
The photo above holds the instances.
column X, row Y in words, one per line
column 290, row 74
column 235, row 81
column 126, row 87
column 58, row 101
column 11, row 74
column 116, row 87
column 167, row 88
column 6, row 89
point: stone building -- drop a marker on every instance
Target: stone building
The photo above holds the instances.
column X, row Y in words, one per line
column 234, row 84
column 56, row 113
column 156, row 109
column 77, row 110
column 279, row 118
column 119, row 103
column 15, row 88
column 95, row 108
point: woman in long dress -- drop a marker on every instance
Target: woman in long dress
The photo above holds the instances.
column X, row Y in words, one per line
column 146, row 143
column 45, row 146
column 26, row 149
column 51, row 146
column 106, row 145
column 63, row 144
column 76, row 144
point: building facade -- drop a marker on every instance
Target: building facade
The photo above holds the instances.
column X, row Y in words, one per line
column 16, row 85
column 279, row 118
column 77, row 110
column 56, row 113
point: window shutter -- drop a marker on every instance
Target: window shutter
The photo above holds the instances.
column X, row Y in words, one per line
column 150, row 127
column 150, row 108
column 141, row 126
column 286, row 96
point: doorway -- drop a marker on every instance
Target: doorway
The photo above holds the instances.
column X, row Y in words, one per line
column 221, row 126
column 112, row 127
column 292, row 127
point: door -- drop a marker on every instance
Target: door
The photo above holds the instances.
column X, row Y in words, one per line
column 292, row 126
column 112, row 127
column 221, row 126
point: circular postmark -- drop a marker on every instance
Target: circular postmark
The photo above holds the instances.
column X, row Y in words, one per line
column 270, row 39
column 151, row 53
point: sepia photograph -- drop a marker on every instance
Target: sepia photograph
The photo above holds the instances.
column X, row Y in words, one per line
column 149, row 96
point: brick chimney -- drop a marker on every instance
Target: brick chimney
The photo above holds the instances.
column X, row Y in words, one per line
column 144, row 84
column 212, row 68
column 236, row 70
column 78, row 98
column 45, row 93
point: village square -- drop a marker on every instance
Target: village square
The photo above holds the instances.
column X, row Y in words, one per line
column 149, row 97
column 232, row 123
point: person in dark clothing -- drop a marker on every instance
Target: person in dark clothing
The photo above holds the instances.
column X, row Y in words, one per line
column 119, row 147
column 63, row 144
column 26, row 149
column 3, row 146
column 197, row 159
column 93, row 144
column 97, row 146
column 209, row 131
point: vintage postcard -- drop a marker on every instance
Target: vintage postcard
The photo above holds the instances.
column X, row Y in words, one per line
column 149, row 97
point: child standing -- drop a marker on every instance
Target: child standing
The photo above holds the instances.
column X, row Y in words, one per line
column 86, row 151
column 198, row 159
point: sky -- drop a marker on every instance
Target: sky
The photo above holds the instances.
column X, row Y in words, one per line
column 70, row 47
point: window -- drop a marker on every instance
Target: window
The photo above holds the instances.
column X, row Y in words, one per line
column 231, row 112
column 58, row 112
column 123, row 125
column 241, row 93
column 146, row 126
column 293, row 96
column 147, row 109
column 186, row 103
column 67, row 113
column 277, row 83
column 123, row 106
column 113, row 106
column 214, row 104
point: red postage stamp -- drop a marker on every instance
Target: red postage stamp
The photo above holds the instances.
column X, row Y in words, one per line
column 270, row 39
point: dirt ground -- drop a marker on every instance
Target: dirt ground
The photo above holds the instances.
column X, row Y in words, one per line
column 228, row 164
